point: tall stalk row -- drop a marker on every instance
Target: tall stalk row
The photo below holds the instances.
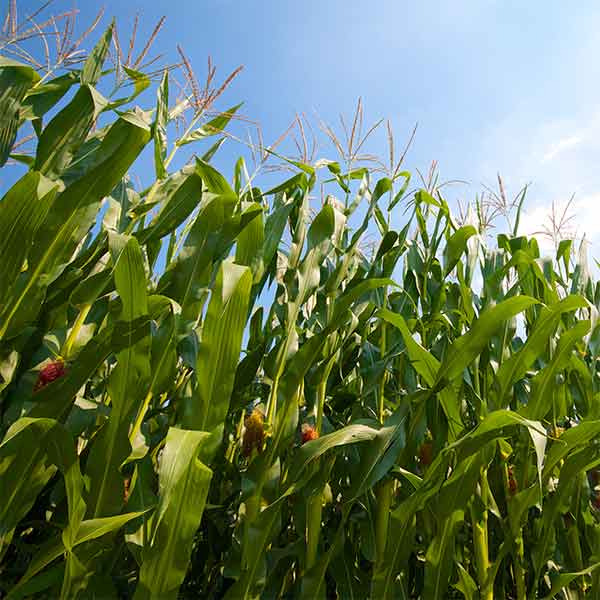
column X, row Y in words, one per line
column 208, row 389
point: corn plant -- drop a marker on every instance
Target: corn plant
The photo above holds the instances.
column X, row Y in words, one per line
column 208, row 389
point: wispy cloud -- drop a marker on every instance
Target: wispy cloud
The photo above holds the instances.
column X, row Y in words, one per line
column 560, row 147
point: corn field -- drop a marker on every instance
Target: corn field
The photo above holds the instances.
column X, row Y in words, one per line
column 213, row 390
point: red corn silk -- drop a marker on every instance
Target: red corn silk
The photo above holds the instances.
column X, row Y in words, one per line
column 309, row 433
column 50, row 373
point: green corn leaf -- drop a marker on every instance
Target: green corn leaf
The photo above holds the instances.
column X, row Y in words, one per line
column 159, row 131
column 427, row 366
column 92, row 68
column 379, row 455
column 249, row 247
column 572, row 439
column 520, row 362
column 558, row 503
column 213, row 180
column 274, row 227
column 466, row 585
column 400, row 193
column 381, row 187
column 464, row 351
column 561, row 582
column 351, row 434
column 88, row 530
column 424, row 363
column 140, row 81
column 22, row 210
column 239, row 172
column 184, row 481
column 349, row 580
column 41, row 98
column 178, row 196
column 352, row 295
column 92, row 529
column 15, row 80
column 259, row 533
column 493, row 426
column 398, row 542
column 127, row 384
column 538, row 405
column 519, row 504
column 164, row 355
column 449, row 508
column 289, row 186
column 75, row 577
column 220, row 346
column 93, row 287
column 456, row 246
column 207, row 156
column 313, row 582
column 24, row 473
column 466, row 449
column 440, row 557
column 66, row 132
column 211, row 236
column 74, row 211
column 56, row 398
column 212, row 127
column 563, row 253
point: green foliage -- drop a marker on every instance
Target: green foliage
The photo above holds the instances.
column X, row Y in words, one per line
column 252, row 404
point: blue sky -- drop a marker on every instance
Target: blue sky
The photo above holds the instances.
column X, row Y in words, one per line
column 495, row 85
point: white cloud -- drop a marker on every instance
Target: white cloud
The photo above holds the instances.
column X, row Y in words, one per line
column 560, row 146
column 533, row 222
column 581, row 219
column 587, row 216
column 559, row 158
